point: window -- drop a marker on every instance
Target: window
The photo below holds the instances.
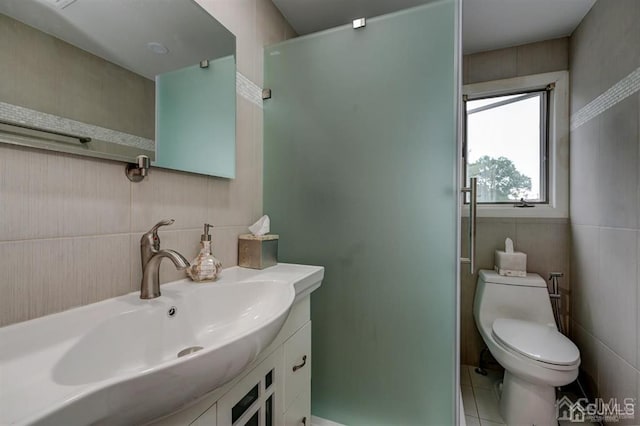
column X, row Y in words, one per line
column 506, row 145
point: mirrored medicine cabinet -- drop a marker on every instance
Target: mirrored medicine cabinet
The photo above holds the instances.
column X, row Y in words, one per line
column 120, row 78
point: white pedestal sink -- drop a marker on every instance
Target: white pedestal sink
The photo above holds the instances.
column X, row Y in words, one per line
column 116, row 361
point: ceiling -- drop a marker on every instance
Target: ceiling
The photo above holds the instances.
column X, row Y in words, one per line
column 494, row 24
column 487, row 24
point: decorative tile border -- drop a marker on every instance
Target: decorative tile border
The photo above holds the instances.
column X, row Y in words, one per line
column 35, row 118
column 616, row 93
column 248, row 89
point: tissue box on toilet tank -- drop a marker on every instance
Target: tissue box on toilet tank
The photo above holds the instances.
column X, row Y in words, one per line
column 257, row 251
column 512, row 264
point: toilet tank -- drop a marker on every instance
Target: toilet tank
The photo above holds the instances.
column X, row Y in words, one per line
column 525, row 298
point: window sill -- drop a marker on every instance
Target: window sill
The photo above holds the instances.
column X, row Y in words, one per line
column 500, row 210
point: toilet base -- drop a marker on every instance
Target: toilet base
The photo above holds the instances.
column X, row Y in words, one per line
column 525, row 403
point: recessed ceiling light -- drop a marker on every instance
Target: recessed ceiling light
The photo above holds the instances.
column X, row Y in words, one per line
column 158, row 48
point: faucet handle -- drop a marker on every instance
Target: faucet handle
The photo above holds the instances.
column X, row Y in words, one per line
column 151, row 237
column 165, row 222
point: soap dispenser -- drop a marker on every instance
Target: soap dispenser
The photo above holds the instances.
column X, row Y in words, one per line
column 205, row 267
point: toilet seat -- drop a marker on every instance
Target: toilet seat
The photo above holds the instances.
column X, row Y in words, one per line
column 538, row 342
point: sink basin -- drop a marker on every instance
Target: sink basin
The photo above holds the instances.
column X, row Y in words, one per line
column 117, row 361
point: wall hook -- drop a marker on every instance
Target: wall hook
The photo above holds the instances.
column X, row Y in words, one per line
column 138, row 170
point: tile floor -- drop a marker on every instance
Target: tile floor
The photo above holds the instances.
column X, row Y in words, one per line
column 479, row 397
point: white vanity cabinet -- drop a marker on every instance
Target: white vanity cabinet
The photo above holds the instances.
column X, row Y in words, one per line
column 274, row 390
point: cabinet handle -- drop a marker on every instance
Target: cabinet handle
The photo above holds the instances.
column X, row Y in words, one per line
column 304, row 421
column 298, row 367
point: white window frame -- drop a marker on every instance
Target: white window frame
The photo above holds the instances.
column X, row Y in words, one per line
column 558, row 144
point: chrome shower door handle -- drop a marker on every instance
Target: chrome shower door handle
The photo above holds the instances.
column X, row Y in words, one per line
column 472, row 189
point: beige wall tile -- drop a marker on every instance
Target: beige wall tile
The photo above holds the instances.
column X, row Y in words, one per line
column 620, row 21
column 43, row 195
column 110, row 268
column 585, row 268
column 585, row 61
column 492, row 65
column 588, row 346
column 226, row 244
column 14, row 303
column 528, row 59
column 546, row 246
column 618, row 165
column 616, row 302
column 584, row 168
column 48, row 276
column 166, row 194
column 542, row 57
column 616, row 379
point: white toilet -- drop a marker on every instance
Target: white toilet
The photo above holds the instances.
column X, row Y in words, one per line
column 515, row 320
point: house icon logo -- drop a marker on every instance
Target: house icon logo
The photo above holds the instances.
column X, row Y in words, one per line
column 569, row 410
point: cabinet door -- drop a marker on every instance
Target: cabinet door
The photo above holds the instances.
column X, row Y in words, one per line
column 299, row 414
column 254, row 399
column 297, row 365
column 208, row 418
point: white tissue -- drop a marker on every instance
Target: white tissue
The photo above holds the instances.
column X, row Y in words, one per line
column 509, row 262
column 508, row 245
column 261, row 227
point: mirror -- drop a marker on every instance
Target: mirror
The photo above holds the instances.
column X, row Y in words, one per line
column 120, row 78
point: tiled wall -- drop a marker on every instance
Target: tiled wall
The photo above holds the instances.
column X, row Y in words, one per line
column 70, row 226
column 546, row 243
column 518, row 61
column 86, row 87
column 605, row 211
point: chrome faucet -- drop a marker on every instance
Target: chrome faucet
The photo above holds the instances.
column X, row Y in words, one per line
column 151, row 258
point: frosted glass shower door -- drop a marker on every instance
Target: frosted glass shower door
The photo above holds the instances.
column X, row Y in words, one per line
column 360, row 177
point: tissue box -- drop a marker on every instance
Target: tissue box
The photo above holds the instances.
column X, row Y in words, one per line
column 257, row 252
column 511, row 264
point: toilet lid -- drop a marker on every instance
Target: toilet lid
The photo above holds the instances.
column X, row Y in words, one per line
column 536, row 341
